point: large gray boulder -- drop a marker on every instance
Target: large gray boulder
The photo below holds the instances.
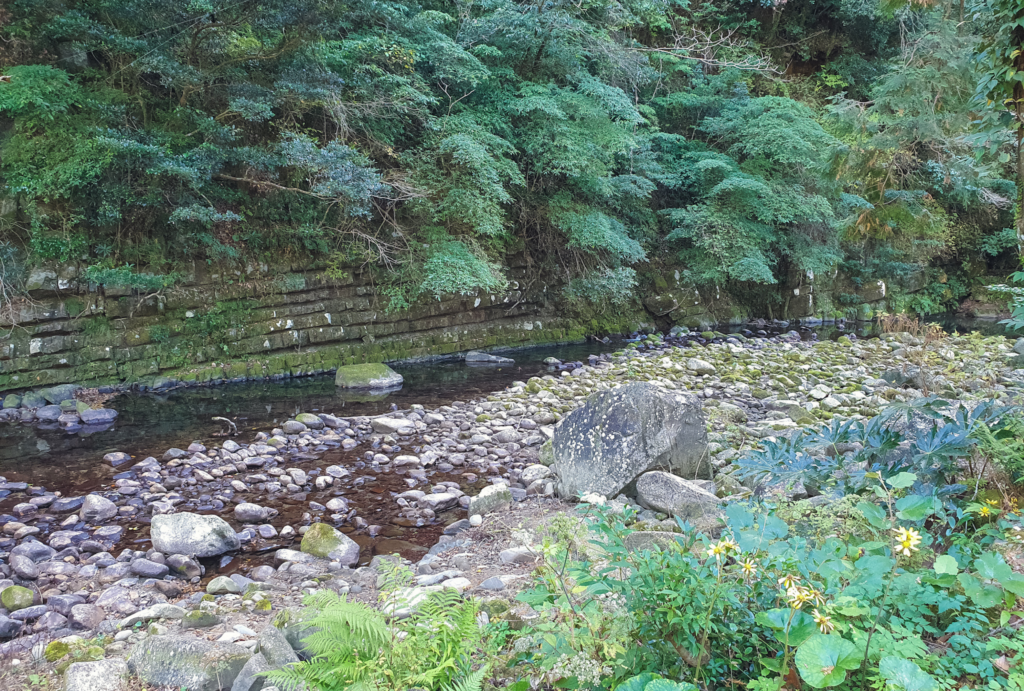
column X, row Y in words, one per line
column 187, row 662
column 618, row 435
column 192, row 534
column 373, row 375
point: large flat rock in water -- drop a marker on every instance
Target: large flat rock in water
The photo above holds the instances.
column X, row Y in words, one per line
column 620, row 434
column 374, row 375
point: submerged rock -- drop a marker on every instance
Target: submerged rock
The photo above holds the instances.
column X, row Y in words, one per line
column 476, row 357
column 374, row 375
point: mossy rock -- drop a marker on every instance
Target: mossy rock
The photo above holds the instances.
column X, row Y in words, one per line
column 546, row 454
column 374, row 375
column 15, row 597
column 494, row 608
column 322, row 539
column 56, row 650
column 199, row 620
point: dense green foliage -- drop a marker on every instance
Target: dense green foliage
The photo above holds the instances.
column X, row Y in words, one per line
column 742, row 141
column 910, row 589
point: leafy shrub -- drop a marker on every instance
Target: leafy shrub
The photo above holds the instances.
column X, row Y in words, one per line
column 603, row 287
column 127, row 277
column 926, row 436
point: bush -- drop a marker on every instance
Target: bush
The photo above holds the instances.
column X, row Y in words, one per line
column 905, row 590
column 764, row 609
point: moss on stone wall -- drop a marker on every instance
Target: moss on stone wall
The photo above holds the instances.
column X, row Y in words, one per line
column 217, row 328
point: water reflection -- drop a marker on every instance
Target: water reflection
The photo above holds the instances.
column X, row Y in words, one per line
column 148, row 423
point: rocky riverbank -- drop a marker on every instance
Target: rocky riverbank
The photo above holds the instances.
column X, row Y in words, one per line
column 135, row 561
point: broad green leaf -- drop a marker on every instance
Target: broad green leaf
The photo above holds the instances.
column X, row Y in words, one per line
column 991, row 565
column 874, row 513
column 791, row 628
column 915, row 507
column 824, row 660
column 902, row 480
column 637, row 683
column 983, row 594
column 945, row 564
column 1014, row 583
column 667, row 685
column 850, row 607
column 738, row 518
column 904, row 675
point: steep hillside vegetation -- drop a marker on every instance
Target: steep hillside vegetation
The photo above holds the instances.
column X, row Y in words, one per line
column 737, row 142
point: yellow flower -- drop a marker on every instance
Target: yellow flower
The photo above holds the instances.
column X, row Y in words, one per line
column 907, row 541
column 824, row 622
column 992, row 502
column 728, row 544
column 817, row 597
column 789, row 580
column 716, row 550
column 985, row 511
column 749, row 567
column 798, row 596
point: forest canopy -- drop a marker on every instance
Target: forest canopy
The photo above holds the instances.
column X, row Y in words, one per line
column 739, row 141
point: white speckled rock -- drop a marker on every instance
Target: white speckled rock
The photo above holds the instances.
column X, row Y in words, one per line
column 491, row 498
column 620, row 434
column 192, row 534
column 102, row 675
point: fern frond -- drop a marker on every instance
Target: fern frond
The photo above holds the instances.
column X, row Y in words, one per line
column 471, row 682
column 287, row 679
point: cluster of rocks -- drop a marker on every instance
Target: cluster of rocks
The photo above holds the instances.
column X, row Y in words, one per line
column 56, row 406
column 657, row 426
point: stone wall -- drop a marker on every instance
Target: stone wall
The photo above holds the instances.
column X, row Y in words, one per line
column 220, row 325
column 264, row 322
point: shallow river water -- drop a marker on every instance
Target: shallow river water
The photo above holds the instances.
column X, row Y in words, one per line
column 149, row 423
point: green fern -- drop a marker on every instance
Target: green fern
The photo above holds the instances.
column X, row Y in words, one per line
column 354, row 647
